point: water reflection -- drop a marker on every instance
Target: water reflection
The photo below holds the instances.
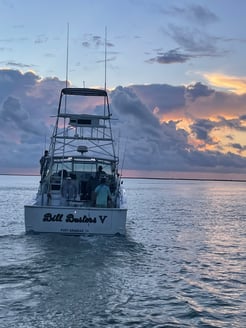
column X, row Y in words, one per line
column 181, row 264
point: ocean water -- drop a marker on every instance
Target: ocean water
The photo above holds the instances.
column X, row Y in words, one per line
column 181, row 264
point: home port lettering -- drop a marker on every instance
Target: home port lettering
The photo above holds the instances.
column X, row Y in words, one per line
column 48, row 217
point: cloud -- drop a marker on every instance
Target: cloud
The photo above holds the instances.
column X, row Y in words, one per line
column 192, row 43
column 238, row 146
column 159, row 127
column 41, row 39
column 11, row 111
column 95, row 41
column 2, row 49
column 86, row 44
column 200, row 14
column 166, row 145
column 202, row 128
column 18, row 65
column 193, row 13
column 170, row 57
column 235, row 124
column 26, row 104
column 204, row 101
column 196, row 90
column 13, row 40
column 231, row 83
column 193, row 40
column 161, row 98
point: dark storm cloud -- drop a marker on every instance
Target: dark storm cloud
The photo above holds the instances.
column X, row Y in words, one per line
column 163, row 96
column 27, row 102
column 243, row 117
column 139, row 121
column 202, row 128
column 238, row 146
column 13, row 82
column 234, row 124
column 11, row 111
column 174, row 138
column 126, row 102
column 214, row 161
column 193, row 91
column 13, row 116
column 165, row 144
column 150, row 145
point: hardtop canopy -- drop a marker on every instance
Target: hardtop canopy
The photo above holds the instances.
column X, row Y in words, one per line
column 84, row 92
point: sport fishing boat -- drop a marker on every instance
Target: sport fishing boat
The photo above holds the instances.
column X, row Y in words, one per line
column 79, row 166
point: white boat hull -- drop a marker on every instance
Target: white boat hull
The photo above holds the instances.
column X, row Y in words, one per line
column 74, row 220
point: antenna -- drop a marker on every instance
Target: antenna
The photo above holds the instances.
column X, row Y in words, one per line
column 67, row 54
column 105, row 60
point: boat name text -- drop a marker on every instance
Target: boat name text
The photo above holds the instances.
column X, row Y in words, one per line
column 48, row 217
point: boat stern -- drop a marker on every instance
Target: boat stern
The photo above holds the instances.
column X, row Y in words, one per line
column 75, row 221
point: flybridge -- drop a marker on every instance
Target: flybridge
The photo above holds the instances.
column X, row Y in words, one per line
column 75, row 123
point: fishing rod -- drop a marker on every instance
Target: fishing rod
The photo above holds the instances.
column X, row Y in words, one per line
column 124, row 156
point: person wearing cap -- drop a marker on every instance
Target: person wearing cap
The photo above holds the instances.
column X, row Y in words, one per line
column 103, row 193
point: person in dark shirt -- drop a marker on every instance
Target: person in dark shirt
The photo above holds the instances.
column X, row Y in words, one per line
column 44, row 164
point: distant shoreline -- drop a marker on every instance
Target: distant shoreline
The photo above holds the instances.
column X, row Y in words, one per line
column 146, row 178
column 189, row 179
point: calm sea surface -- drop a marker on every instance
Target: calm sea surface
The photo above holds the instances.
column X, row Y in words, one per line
column 181, row 264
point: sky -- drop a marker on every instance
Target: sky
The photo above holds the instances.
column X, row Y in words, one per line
column 175, row 74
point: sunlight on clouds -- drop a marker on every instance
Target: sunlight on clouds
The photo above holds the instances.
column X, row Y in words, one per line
column 223, row 139
column 232, row 83
column 196, row 143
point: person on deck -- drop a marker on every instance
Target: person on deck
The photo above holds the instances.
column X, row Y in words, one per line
column 44, row 164
column 69, row 189
column 103, row 193
column 100, row 173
